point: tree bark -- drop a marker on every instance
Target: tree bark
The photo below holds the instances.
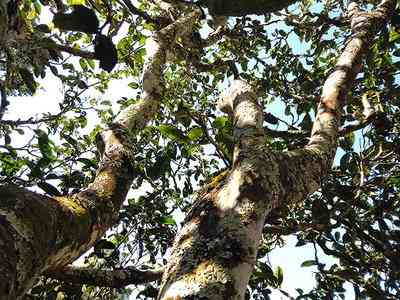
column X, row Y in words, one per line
column 214, row 253
column 3, row 22
column 40, row 233
column 116, row 278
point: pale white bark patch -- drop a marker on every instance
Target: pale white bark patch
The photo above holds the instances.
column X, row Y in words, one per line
column 226, row 102
column 180, row 289
column 227, row 197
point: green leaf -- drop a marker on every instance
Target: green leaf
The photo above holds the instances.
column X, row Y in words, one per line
column 38, row 7
column 159, row 167
column 167, row 220
column 309, row 263
column 91, row 63
column 279, row 276
column 83, row 64
column 44, row 145
column 134, row 85
column 394, row 36
column 347, row 141
column 76, row 2
column 171, row 132
column 195, row 133
column 88, row 162
column 220, row 122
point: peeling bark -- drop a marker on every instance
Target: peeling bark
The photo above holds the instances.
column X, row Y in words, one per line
column 39, row 233
column 214, row 254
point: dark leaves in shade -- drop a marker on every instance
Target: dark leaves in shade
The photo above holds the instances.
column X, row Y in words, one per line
column 28, row 79
column 102, row 247
column 270, row 118
column 105, row 52
column 43, row 28
column 49, row 189
column 81, row 19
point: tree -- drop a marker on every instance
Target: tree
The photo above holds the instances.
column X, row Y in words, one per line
column 273, row 183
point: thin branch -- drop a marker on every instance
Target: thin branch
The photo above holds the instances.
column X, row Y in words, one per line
column 297, row 134
column 287, row 230
column 75, row 51
column 357, row 126
column 289, row 134
column 203, row 126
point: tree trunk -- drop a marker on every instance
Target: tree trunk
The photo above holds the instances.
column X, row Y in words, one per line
column 214, row 254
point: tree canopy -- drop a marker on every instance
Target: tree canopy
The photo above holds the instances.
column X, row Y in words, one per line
column 178, row 149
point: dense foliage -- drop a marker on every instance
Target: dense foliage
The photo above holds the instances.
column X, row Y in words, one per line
column 354, row 217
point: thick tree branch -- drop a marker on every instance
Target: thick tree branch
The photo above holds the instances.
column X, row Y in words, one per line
column 116, row 278
column 227, row 219
column 364, row 27
column 214, row 253
column 42, row 233
column 152, row 85
column 305, row 168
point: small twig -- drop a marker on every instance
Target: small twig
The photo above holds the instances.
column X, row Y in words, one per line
column 203, row 126
column 30, row 121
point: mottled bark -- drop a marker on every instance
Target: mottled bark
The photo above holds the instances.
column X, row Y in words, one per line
column 214, row 254
column 116, row 278
column 215, row 251
column 3, row 22
column 316, row 158
column 40, row 233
